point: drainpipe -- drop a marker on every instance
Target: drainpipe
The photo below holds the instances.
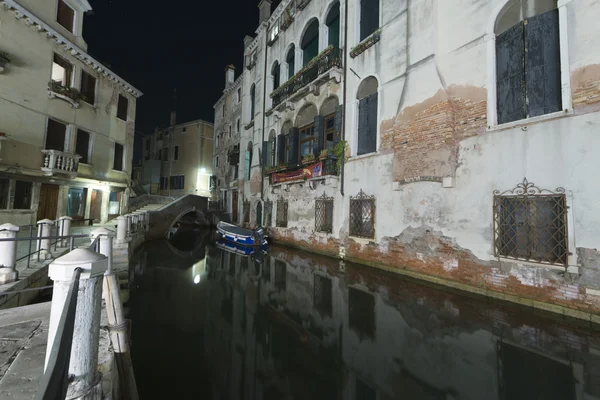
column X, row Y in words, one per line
column 345, row 96
column 262, row 173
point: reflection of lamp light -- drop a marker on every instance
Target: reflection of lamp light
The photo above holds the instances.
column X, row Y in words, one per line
column 202, row 170
column 197, row 279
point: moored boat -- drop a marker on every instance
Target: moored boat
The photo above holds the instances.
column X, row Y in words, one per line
column 242, row 236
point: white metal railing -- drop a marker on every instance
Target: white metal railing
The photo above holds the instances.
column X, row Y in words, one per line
column 59, row 162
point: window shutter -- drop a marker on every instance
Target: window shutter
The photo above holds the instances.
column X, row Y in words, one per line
column 369, row 17
column 281, row 149
column 319, row 124
column 372, row 121
column 363, row 125
column 339, row 120
column 295, row 132
column 542, row 64
column 510, row 85
column 265, row 154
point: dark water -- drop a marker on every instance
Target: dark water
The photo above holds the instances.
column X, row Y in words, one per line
column 209, row 324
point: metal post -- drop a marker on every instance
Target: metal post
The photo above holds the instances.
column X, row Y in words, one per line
column 30, row 242
column 57, row 225
column 8, row 253
column 71, row 243
column 83, row 366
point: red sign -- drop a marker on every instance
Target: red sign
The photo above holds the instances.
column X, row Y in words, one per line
column 309, row 171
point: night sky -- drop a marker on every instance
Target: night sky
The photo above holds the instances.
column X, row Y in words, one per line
column 159, row 46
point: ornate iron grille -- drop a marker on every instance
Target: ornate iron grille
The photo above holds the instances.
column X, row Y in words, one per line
column 324, row 214
column 531, row 224
column 268, row 213
column 322, row 295
column 362, row 215
column 246, row 210
column 280, row 275
column 282, row 213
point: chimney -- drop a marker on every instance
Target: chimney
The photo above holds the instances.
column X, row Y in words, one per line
column 229, row 75
column 265, row 10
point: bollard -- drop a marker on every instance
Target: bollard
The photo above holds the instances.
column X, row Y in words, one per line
column 106, row 244
column 83, row 366
column 8, row 254
column 128, row 216
column 64, row 229
column 121, row 229
column 44, row 230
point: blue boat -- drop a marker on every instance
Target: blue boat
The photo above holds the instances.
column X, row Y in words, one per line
column 242, row 236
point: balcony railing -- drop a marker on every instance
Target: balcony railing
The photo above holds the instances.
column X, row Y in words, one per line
column 329, row 168
column 329, row 58
column 70, row 95
column 58, row 162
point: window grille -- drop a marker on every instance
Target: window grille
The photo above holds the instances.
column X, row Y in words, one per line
column 531, row 224
column 322, row 295
column 282, row 213
column 362, row 215
column 268, row 213
column 324, row 214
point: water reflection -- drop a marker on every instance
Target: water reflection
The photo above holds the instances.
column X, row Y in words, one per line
column 292, row 325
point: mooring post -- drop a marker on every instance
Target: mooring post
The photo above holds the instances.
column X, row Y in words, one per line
column 8, row 253
column 44, row 231
column 65, row 229
column 121, row 229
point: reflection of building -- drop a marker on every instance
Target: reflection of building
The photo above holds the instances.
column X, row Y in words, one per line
column 275, row 326
column 66, row 121
column 178, row 160
column 442, row 126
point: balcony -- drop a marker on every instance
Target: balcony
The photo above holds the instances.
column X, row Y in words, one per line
column 70, row 95
column 308, row 169
column 315, row 72
column 60, row 163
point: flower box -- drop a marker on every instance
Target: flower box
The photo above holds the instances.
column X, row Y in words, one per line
column 365, row 44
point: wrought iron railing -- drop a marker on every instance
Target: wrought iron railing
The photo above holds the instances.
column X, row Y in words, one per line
column 329, row 58
column 324, row 214
column 329, row 168
column 362, row 215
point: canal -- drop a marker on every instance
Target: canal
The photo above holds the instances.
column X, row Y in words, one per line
column 212, row 324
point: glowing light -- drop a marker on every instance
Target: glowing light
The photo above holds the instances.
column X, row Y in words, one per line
column 197, row 279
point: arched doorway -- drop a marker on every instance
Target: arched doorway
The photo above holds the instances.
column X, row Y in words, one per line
column 259, row 214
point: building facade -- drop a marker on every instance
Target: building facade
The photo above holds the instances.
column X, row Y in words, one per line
column 66, row 121
column 406, row 136
column 228, row 166
column 177, row 160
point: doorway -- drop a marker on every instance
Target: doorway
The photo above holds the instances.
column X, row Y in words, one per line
column 96, row 206
column 234, row 206
column 48, row 202
column 259, row 214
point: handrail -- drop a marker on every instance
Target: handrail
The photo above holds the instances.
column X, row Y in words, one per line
column 55, row 381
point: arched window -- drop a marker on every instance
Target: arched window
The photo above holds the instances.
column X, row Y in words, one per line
column 248, row 160
column 308, row 138
column 369, row 18
column 275, row 75
column 528, row 82
column 285, row 144
column 367, row 116
column 310, row 42
column 290, row 59
column 333, row 26
column 252, row 101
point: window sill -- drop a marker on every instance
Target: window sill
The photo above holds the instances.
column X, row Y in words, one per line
column 522, row 123
column 363, row 156
column 572, row 269
column 362, row 240
column 116, row 170
column 121, row 119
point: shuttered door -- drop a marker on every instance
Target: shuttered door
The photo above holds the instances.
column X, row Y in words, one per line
column 367, row 124
column 265, row 154
column 372, row 131
column 295, row 146
column 510, row 75
column 281, row 149
column 542, row 64
column 319, row 132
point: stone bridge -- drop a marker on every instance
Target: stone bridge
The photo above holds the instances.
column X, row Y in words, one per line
column 189, row 208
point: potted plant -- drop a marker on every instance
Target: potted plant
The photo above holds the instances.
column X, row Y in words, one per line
column 310, row 157
column 324, row 153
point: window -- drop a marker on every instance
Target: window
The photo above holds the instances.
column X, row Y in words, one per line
column 290, row 156
column 275, row 75
column 369, row 18
column 82, row 145
column 166, row 154
column 333, row 26
column 177, row 182
column 252, row 101
column 367, row 116
column 329, row 130
column 291, row 61
column 118, row 160
column 361, row 313
column 4, row 183
column 324, row 214
column 122, row 107
column 76, row 202
column 184, row 129
column 308, row 141
column 281, row 219
column 159, row 154
column 55, row 135
column 322, row 295
column 238, row 126
column 238, row 96
column 164, row 181
column 528, row 67
column 22, row 195
column 66, row 16
column 88, row 88
column 531, row 224
column 362, row 215
column 114, row 204
column 223, row 111
column 249, row 160
column 274, row 33
column 310, row 42
column 176, row 153
column 217, row 162
column 62, row 71
column 229, row 131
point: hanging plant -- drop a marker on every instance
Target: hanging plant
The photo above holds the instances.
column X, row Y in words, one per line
column 340, row 152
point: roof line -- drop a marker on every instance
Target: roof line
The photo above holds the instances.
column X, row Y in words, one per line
column 77, row 52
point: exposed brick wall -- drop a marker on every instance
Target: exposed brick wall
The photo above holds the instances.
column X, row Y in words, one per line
column 585, row 86
column 425, row 137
